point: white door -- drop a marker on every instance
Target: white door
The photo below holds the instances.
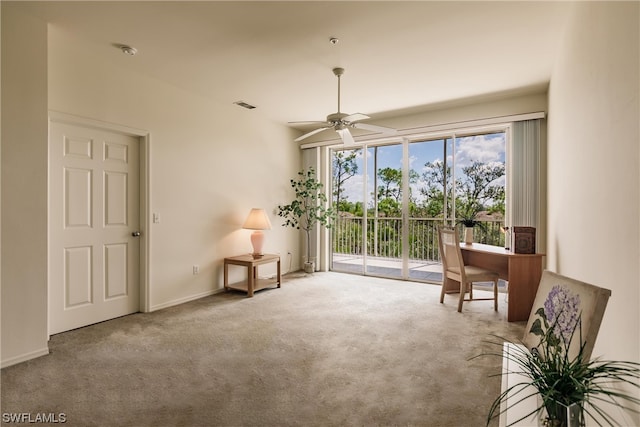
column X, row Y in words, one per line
column 94, row 219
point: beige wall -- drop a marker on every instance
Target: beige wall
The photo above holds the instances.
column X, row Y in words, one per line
column 480, row 108
column 24, row 187
column 594, row 163
column 209, row 165
column 453, row 114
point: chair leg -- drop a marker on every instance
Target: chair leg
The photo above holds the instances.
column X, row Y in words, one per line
column 444, row 284
column 495, row 295
column 463, row 290
column 470, row 288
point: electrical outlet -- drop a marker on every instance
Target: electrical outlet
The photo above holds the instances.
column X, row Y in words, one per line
column 196, row 269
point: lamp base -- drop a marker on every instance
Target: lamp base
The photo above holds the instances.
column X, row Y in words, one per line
column 257, row 240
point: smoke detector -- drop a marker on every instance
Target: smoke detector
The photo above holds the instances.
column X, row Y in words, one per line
column 128, row 50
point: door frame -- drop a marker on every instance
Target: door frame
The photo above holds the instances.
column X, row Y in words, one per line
column 144, row 139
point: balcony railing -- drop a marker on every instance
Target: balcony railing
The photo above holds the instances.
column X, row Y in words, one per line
column 384, row 237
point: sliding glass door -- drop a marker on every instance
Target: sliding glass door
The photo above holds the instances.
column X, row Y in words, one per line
column 367, row 192
column 348, row 196
column 391, row 198
column 430, row 204
column 385, row 227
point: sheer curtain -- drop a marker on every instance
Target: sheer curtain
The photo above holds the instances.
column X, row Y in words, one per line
column 524, row 164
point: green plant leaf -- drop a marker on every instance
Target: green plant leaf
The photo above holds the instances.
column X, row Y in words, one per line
column 536, row 328
column 308, row 208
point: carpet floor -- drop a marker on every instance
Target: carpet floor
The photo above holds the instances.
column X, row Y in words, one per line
column 326, row 349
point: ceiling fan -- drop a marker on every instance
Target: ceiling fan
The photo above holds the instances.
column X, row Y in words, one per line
column 341, row 122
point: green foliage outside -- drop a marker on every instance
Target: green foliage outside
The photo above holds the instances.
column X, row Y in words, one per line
column 476, row 194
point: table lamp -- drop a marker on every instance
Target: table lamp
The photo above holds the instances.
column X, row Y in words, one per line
column 258, row 221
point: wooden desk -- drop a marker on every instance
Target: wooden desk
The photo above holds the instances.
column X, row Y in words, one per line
column 253, row 282
column 522, row 271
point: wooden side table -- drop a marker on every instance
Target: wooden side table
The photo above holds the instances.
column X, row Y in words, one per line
column 253, row 282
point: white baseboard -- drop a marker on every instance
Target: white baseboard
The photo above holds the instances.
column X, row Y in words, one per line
column 45, row 351
column 24, row 357
column 185, row 299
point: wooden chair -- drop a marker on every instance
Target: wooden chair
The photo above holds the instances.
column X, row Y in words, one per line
column 453, row 268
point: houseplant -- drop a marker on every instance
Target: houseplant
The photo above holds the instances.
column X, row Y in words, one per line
column 469, row 223
column 307, row 209
column 568, row 388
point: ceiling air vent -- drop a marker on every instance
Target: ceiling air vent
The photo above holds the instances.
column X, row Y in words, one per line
column 245, row 105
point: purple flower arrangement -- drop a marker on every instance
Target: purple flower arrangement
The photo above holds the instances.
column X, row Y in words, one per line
column 569, row 388
column 562, row 312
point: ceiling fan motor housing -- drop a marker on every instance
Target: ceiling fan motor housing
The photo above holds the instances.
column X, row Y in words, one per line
column 336, row 118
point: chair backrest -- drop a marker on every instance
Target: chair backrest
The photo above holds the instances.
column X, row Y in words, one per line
column 450, row 253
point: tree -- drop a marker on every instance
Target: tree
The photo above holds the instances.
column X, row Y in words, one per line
column 391, row 180
column 344, row 167
column 477, row 188
column 389, row 198
column 436, row 176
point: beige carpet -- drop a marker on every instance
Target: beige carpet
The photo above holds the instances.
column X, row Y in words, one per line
column 324, row 350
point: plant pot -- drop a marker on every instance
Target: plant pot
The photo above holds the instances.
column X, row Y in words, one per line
column 556, row 414
column 468, row 235
column 309, row 267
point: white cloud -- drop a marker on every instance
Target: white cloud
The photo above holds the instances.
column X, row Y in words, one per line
column 412, row 160
column 352, row 188
column 482, row 148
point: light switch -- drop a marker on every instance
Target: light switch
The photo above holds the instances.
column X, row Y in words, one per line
column 156, row 218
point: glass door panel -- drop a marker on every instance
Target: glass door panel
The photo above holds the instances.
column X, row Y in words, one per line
column 480, row 180
column 348, row 197
column 430, row 181
column 384, row 213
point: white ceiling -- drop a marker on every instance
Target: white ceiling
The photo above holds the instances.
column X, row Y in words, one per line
column 277, row 55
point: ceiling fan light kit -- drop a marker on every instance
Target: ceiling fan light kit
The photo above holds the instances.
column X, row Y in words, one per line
column 341, row 122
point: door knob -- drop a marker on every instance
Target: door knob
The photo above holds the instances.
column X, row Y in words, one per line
column 136, row 234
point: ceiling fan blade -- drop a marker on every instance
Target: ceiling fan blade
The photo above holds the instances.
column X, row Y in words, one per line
column 375, row 128
column 355, row 117
column 346, row 137
column 313, row 132
column 306, row 122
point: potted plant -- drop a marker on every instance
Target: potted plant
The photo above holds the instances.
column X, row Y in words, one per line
column 469, row 223
column 568, row 389
column 308, row 208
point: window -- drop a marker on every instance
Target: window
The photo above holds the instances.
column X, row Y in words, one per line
column 391, row 198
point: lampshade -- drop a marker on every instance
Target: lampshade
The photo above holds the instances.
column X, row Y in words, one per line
column 257, row 220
